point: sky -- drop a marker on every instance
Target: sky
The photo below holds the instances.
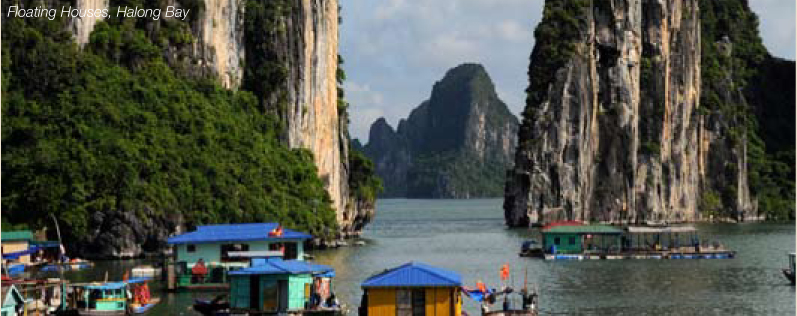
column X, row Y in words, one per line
column 395, row 50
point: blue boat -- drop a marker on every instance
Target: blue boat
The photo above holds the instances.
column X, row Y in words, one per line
column 16, row 269
column 67, row 266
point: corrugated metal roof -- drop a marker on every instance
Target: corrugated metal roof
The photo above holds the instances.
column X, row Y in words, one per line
column 16, row 235
column 659, row 230
column 414, row 274
column 235, row 232
column 585, row 229
column 279, row 266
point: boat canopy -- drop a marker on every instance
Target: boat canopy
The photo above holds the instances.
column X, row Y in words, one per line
column 138, row 280
column 661, row 230
column 16, row 255
column 101, row 286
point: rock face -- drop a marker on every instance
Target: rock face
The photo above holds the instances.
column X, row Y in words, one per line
column 455, row 145
column 305, row 44
column 312, row 117
column 614, row 132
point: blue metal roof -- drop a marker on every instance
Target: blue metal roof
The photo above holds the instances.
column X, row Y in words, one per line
column 139, row 280
column 235, row 232
column 414, row 274
column 279, row 266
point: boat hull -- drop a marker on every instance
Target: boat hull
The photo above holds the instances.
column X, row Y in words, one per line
column 100, row 313
column 647, row 255
column 511, row 313
column 144, row 308
column 789, row 275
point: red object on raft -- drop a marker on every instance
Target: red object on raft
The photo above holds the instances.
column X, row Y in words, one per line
column 562, row 223
column 276, row 232
column 199, row 268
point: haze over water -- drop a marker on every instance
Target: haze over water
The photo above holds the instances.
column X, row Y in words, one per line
column 469, row 236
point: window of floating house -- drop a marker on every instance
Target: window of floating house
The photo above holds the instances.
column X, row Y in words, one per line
column 556, row 241
column 572, row 240
column 291, row 251
column 411, row 302
column 275, row 246
column 190, row 248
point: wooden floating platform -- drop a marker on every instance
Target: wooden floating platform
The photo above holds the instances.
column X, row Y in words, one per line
column 654, row 255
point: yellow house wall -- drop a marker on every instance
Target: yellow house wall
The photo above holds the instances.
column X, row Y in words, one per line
column 382, row 301
column 14, row 246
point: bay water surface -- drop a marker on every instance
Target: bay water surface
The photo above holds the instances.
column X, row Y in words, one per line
column 469, row 236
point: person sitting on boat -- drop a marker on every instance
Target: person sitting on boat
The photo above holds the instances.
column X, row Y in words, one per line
column 332, row 301
column 529, row 299
column 199, row 271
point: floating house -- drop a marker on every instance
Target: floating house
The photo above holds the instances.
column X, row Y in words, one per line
column 13, row 301
column 574, row 239
column 215, row 246
column 579, row 241
column 16, row 242
column 412, row 289
column 281, row 286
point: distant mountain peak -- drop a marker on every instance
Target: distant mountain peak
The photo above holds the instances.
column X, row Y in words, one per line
column 463, row 125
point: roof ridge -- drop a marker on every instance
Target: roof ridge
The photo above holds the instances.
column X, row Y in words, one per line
column 435, row 272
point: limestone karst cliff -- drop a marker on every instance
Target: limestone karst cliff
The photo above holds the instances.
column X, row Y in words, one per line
column 616, row 128
column 454, row 145
column 284, row 52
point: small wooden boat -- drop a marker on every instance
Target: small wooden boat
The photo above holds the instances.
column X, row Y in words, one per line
column 67, row 266
column 514, row 312
column 110, row 298
column 212, row 307
column 789, row 271
column 136, row 308
column 16, row 269
column 531, row 248
column 141, row 302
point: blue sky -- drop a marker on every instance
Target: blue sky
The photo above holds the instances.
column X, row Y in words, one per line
column 394, row 50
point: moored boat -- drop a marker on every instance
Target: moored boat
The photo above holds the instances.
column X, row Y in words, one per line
column 789, row 271
column 142, row 301
column 111, row 298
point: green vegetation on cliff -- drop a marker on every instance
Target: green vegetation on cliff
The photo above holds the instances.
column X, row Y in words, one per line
column 113, row 128
column 734, row 59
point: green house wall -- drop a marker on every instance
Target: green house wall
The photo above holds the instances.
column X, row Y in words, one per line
column 568, row 243
column 240, row 290
column 211, row 252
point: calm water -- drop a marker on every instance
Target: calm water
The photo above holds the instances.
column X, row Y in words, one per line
column 469, row 236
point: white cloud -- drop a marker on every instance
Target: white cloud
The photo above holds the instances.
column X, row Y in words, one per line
column 512, row 31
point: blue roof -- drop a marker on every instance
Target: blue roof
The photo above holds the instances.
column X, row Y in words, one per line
column 414, row 274
column 279, row 266
column 235, row 232
column 138, row 280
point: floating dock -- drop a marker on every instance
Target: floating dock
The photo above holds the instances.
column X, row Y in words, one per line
column 674, row 255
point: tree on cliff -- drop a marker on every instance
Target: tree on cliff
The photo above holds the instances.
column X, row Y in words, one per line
column 111, row 131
